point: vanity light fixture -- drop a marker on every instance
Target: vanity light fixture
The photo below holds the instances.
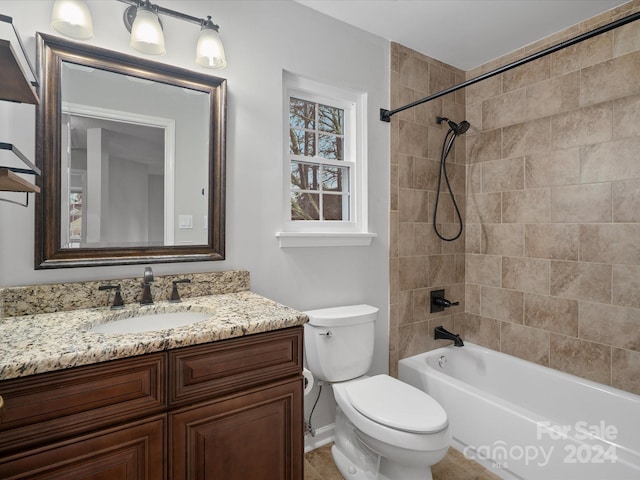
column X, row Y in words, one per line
column 72, row 18
column 209, row 50
column 146, row 29
column 142, row 19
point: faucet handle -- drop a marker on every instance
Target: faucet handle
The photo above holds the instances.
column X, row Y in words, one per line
column 148, row 275
column 443, row 302
column 175, row 297
column 439, row 302
column 118, row 302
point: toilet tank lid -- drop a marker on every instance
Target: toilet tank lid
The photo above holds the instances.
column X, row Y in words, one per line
column 396, row 404
column 337, row 316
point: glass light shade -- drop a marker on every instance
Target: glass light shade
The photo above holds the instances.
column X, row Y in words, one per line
column 209, row 50
column 72, row 18
column 146, row 33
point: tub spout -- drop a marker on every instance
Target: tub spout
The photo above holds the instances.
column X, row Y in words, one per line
column 440, row 333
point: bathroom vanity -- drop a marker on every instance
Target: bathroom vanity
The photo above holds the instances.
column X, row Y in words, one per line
column 221, row 398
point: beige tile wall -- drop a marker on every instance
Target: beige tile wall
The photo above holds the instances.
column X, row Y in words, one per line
column 552, row 200
column 420, row 261
column 551, row 269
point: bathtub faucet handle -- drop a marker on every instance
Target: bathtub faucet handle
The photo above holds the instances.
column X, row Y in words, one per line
column 443, row 302
column 439, row 302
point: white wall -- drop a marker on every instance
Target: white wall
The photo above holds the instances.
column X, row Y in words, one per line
column 127, row 209
column 261, row 39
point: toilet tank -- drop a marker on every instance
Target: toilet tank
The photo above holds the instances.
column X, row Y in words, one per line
column 339, row 341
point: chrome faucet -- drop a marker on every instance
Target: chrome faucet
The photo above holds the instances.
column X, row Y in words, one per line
column 439, row 333
column 147, row 279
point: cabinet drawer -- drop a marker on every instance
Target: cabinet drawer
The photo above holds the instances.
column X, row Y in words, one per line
column 134, row 451
column 219, row 368
column 44, row 408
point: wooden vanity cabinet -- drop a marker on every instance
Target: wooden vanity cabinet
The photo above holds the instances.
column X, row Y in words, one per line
column 133, row 451
column 228, row 410
column 101, row 421
column 256, row 435
column 239, row 409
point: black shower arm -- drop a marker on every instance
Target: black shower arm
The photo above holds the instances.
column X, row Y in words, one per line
column 385, row 115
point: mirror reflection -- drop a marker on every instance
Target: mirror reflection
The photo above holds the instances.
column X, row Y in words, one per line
column 133, row 159
column 121, row 184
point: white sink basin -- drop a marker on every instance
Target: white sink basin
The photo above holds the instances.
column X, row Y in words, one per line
column 151, row 322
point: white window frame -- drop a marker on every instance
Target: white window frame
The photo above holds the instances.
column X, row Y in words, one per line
column 352, row 232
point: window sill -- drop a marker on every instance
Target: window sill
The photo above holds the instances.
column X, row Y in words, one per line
column 328, row 239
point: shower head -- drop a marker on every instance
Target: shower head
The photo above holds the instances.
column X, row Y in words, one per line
column 458, row 128
column 462, row 127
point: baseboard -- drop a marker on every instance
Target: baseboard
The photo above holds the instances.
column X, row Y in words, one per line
column 323, row 436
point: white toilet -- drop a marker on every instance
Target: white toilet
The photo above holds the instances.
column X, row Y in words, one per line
column 385, row 429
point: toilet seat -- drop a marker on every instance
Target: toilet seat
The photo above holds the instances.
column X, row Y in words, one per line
column 396, row 404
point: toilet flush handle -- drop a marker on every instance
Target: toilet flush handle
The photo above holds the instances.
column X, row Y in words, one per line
column 326, row 334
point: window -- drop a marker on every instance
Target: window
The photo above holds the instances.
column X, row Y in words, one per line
column 319, row 173
column 325, row 165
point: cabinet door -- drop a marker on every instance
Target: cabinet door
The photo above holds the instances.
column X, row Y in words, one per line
column 132, row 452
column 255, row 435
column 50, row 407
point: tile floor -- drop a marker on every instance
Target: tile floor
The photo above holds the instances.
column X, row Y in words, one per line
column 319, row 465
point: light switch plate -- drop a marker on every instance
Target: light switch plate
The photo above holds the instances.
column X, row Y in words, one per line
column 185, row 221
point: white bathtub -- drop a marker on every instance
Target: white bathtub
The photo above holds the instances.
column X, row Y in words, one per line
column 526, row 421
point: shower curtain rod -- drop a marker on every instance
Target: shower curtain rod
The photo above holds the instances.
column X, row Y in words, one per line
column 385, row 115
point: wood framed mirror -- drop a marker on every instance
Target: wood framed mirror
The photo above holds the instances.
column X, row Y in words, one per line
column 132, row 154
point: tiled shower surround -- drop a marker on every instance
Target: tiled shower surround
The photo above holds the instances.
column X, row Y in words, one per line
column 548, row 268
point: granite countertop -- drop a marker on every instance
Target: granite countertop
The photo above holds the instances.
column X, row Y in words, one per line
column 46, row 342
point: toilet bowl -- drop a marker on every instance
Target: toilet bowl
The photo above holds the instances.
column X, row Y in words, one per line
column 384, row 429
column 407, row 429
